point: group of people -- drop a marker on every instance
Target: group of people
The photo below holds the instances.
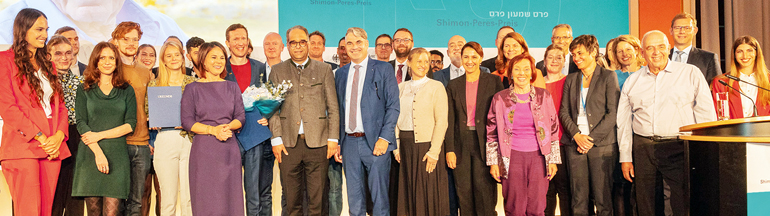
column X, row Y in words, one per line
column 597, row 131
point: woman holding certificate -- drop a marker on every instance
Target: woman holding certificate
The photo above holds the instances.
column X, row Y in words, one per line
column 105, row 109
column 172, row 145
column 212, row 108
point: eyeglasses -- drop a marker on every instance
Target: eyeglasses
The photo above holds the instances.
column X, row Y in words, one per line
column 561, row 37
column 383, row 45
column 62, row 55
column 555, row 58
column 301, row 43
column 680, row 28
column 402, row 40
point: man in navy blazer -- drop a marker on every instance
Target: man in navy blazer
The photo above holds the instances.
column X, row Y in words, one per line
column 369, row 107
column 256, row 151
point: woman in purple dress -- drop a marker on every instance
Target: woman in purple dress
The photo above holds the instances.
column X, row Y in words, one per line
column 212, row 108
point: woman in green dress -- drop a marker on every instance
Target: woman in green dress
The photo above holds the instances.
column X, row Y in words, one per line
column 105, row 108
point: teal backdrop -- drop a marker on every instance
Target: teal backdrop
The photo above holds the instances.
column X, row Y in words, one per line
column 433, row 22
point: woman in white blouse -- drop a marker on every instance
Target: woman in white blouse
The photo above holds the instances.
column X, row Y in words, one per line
column 748, row 65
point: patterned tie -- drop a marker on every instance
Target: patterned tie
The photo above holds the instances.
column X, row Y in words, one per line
column 399, row 77
column 354, row 100
column 678, row 56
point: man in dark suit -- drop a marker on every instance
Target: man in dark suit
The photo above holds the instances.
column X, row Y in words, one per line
column 317, row 47
column 383, row 47
column 369, row 109
column 306, row 129
column 683, row 30
column 561, row 35
column 255, row 152
column 589, row 135
column 490, row 63
column 402, row 45
column 72, row 35
column 455, row 69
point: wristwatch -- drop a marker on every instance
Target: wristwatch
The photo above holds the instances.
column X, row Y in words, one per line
column 38, row 134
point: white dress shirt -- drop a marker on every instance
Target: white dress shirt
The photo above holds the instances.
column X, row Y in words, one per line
column 657, row 105
column 455, row 72
column 685, row 55
column 47, row 92
column 75, row 68
column 565, row 69
column 349, row 85
column 751, row 91
column 403, row 69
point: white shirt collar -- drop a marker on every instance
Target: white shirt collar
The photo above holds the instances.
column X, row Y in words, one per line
column 453, row 68
column 401, row 63
column 363, row 63
column 303, row 63
column 686, row 50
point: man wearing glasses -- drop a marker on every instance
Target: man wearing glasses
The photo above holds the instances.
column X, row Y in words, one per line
column 383, row 47
column 126, row 37
column 683, row 30
column 306, row 128
column 402, row 44
column 561, row 35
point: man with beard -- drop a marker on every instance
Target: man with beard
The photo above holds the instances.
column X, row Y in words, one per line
column 193, row 45
column 342, row 54
column 317, row 46
column 436, row 61
column 490, row 62
column 126, row 37
column 402, row 44
column 383, row 47
column 255, row 153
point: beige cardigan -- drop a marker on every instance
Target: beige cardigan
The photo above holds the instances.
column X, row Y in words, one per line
column 430, row 112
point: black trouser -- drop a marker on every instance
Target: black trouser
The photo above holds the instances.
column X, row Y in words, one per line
column 63, row 197
column 654, row 160
column 559, row 186
column 393, row 185
column 304, row 168
column 591, row 175
column 475, row 186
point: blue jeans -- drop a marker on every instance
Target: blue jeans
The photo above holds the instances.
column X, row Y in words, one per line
column 258, row 179
column 139, row 156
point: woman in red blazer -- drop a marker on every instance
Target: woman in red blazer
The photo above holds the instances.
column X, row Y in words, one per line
column 34, row 115
column 748, row 65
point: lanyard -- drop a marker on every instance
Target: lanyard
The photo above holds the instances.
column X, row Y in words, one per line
column 582, row 100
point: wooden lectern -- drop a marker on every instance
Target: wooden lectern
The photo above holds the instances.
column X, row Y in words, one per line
column 715, row 155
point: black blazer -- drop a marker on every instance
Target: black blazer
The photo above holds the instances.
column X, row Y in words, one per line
column 572, row 67
column 408, row 71
column 489, row 85
column 706, row 61
column 82, row 68
column 601, row 106
column 489, row 63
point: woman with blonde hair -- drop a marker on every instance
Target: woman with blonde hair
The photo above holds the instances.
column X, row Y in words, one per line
column 172, row 145
column 748, row 65
column 628, row 54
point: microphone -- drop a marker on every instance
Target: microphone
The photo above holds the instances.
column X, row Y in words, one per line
column 739, row 91
column 739, row 80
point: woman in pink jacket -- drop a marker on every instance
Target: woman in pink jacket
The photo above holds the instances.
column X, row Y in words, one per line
column 35, row 117
column 523, row 140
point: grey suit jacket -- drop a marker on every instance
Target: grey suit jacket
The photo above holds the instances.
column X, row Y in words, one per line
column 601, row 106
column 312, row 100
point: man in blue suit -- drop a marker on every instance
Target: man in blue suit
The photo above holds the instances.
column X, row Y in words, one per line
column 369, row 106
column 455, row 69
column 256, row 156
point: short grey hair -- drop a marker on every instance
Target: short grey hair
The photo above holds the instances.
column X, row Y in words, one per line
column 665, row 38
column 564, row 25
column 359, row 32
column 293, row 28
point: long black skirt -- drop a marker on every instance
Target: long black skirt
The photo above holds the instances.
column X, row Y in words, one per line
column 420, row 192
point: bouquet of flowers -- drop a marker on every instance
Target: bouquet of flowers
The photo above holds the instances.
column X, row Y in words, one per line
column 266, row 98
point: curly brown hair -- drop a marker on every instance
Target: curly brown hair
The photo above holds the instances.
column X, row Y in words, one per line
column 23, row 57
column 92, row 73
